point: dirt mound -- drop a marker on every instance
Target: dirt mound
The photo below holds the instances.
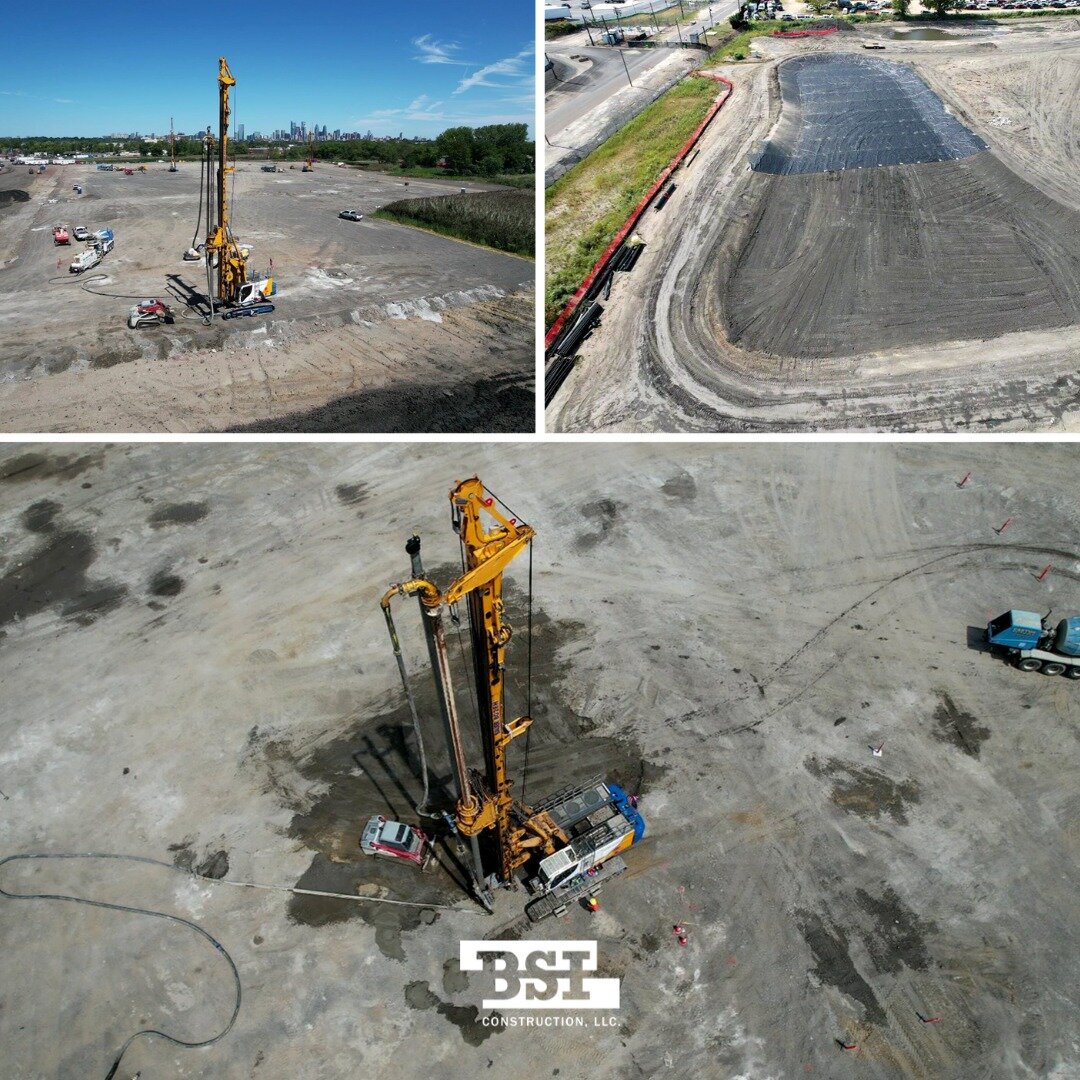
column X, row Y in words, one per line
column 15, row 195
column 855, row 112
column 842, row 263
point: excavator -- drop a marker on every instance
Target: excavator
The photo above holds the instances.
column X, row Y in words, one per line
column 235, row 294
column 564, row 847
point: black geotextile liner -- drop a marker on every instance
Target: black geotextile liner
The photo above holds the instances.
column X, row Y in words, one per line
column 856, row 112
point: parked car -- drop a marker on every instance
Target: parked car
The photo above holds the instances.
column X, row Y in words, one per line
column 80, row 232
column 392, row 840
column 351, row 215
column 83, row 261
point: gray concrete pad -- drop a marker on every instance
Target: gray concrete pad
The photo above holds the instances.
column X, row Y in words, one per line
column 194, row 662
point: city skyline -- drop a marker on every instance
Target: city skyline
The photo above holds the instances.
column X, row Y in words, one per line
column 417, row 76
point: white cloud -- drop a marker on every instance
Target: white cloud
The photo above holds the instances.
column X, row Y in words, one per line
column 436, row 52
column 511, row 72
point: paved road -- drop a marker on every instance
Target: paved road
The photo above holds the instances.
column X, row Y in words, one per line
column 597, row 81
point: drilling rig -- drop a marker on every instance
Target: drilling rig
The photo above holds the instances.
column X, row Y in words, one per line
column 234, row 292
column 564, row 847
column 309, row 163
column 172, row 147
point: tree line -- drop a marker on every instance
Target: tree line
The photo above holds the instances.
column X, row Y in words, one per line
column 492, row 150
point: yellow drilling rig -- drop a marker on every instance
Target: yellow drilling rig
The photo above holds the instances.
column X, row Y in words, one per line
column 566, row 846
column 233, row 292
column 173, row 167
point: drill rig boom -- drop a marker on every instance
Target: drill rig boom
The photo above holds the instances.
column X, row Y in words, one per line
column 222, row 251
column 572, row 833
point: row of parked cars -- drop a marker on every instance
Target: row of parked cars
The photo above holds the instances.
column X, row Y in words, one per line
column 100, row 244
column 1026, row 5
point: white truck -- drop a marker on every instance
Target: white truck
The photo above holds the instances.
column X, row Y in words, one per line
column 85, row 260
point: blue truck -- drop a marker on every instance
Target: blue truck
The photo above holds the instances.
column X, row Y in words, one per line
column 1028, row 640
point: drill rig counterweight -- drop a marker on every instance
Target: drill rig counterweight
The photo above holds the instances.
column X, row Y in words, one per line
column 567, row 837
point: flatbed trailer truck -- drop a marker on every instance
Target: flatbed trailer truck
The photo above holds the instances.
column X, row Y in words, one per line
column 1028, row 640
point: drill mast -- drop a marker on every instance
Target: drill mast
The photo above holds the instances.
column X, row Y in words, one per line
column 222, row 250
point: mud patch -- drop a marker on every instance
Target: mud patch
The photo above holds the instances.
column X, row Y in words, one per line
column 834, row 964
column 54, row 577
column 466, row 1018
column 865, row 792
column 682, row 487
column 958, row 728
column 187, row 513
column 352, row 494
column 388, row 920
column 40, row 517
column 165, row 584
column 605, row 516
column 37, row 466
column 371, row 766
column 13, row 196
column 897, row 938
column 214, row 866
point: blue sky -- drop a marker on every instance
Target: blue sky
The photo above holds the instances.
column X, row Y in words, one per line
column 419, row 67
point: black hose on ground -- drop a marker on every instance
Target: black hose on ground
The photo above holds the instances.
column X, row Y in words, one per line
column 176, row 1041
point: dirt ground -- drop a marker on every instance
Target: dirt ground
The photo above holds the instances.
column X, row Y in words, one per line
column 196, row 670
column 937, row 297
column 377, row 326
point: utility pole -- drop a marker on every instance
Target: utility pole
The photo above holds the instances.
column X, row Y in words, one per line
column 622, row 56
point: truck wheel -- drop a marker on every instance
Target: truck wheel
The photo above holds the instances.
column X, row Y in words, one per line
column 1029, row 663
column 1053, row 669
column 1072, row 673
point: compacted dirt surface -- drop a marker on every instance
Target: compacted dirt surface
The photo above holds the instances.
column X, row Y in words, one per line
column 377, row 326
column 920, row 273
column 196, row 670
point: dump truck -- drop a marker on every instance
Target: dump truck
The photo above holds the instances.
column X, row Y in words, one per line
column 1027, row 639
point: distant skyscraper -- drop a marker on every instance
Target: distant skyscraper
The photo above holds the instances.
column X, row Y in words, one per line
column 240, row 132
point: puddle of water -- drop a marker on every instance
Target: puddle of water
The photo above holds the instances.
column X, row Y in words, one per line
column 930, row 33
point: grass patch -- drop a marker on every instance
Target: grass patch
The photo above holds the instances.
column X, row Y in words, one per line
column 738, row 47
column 740, row 43
column 589, row 204
column 514, row 180
column 505, row 220
column 558, row 28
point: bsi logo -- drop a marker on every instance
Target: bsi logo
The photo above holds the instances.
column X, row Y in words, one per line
column 541, row 974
